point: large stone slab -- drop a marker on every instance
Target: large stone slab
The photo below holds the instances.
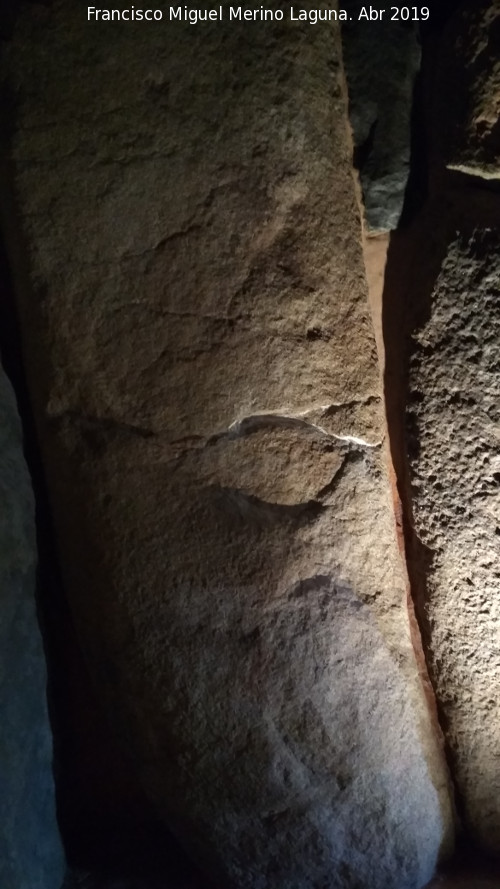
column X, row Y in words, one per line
column 455, row 458
column 31, row 856
column 452, row 418
column 204, row 371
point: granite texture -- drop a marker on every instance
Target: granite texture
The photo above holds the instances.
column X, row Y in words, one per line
column 454, row 443
column 203, row 368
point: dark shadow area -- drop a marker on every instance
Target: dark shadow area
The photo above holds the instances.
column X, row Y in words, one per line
column 408, row 287
column 467, row 871
column 107, row 825
column 418, row 175
column 440, row 13
column 9, row 11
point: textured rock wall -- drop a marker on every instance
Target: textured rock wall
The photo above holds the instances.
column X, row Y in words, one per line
column 204, row 371
column 455, row 458
column 448, row 283
column 31, row 856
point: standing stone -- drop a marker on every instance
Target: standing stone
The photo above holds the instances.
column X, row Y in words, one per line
column 208, row 401
column 454, row 438
column 30, row 850
column 453, row 413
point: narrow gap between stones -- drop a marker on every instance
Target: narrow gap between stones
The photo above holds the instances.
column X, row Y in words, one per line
column 399, row 319
column 403, row 257
column 393, row 260
column 387, row 258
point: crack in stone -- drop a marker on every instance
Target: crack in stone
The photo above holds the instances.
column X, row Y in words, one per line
column 106, row 426
column 249, row 507
column 332, row 485
column 252, row 507
column 109, row 426
column 255, row 422
column 162, row 243
column 335, row 406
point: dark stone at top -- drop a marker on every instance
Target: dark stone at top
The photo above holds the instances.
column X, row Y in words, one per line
column 382, row 59
column 465, row 92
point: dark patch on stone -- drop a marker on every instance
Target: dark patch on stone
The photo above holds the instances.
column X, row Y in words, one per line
column 382, row 61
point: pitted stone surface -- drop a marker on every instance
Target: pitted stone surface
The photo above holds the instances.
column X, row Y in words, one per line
column 454, row 438
column 31, row 856
column 209, row 404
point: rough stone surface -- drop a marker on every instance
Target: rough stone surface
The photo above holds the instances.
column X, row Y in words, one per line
column 441, row 325
column 382, row 60
column 30, row 851
column 204, row 371
column 454, row 441
column 467, row 110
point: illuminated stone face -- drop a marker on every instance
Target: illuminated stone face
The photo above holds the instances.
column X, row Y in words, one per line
column 203, row 370
column 210, row 411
